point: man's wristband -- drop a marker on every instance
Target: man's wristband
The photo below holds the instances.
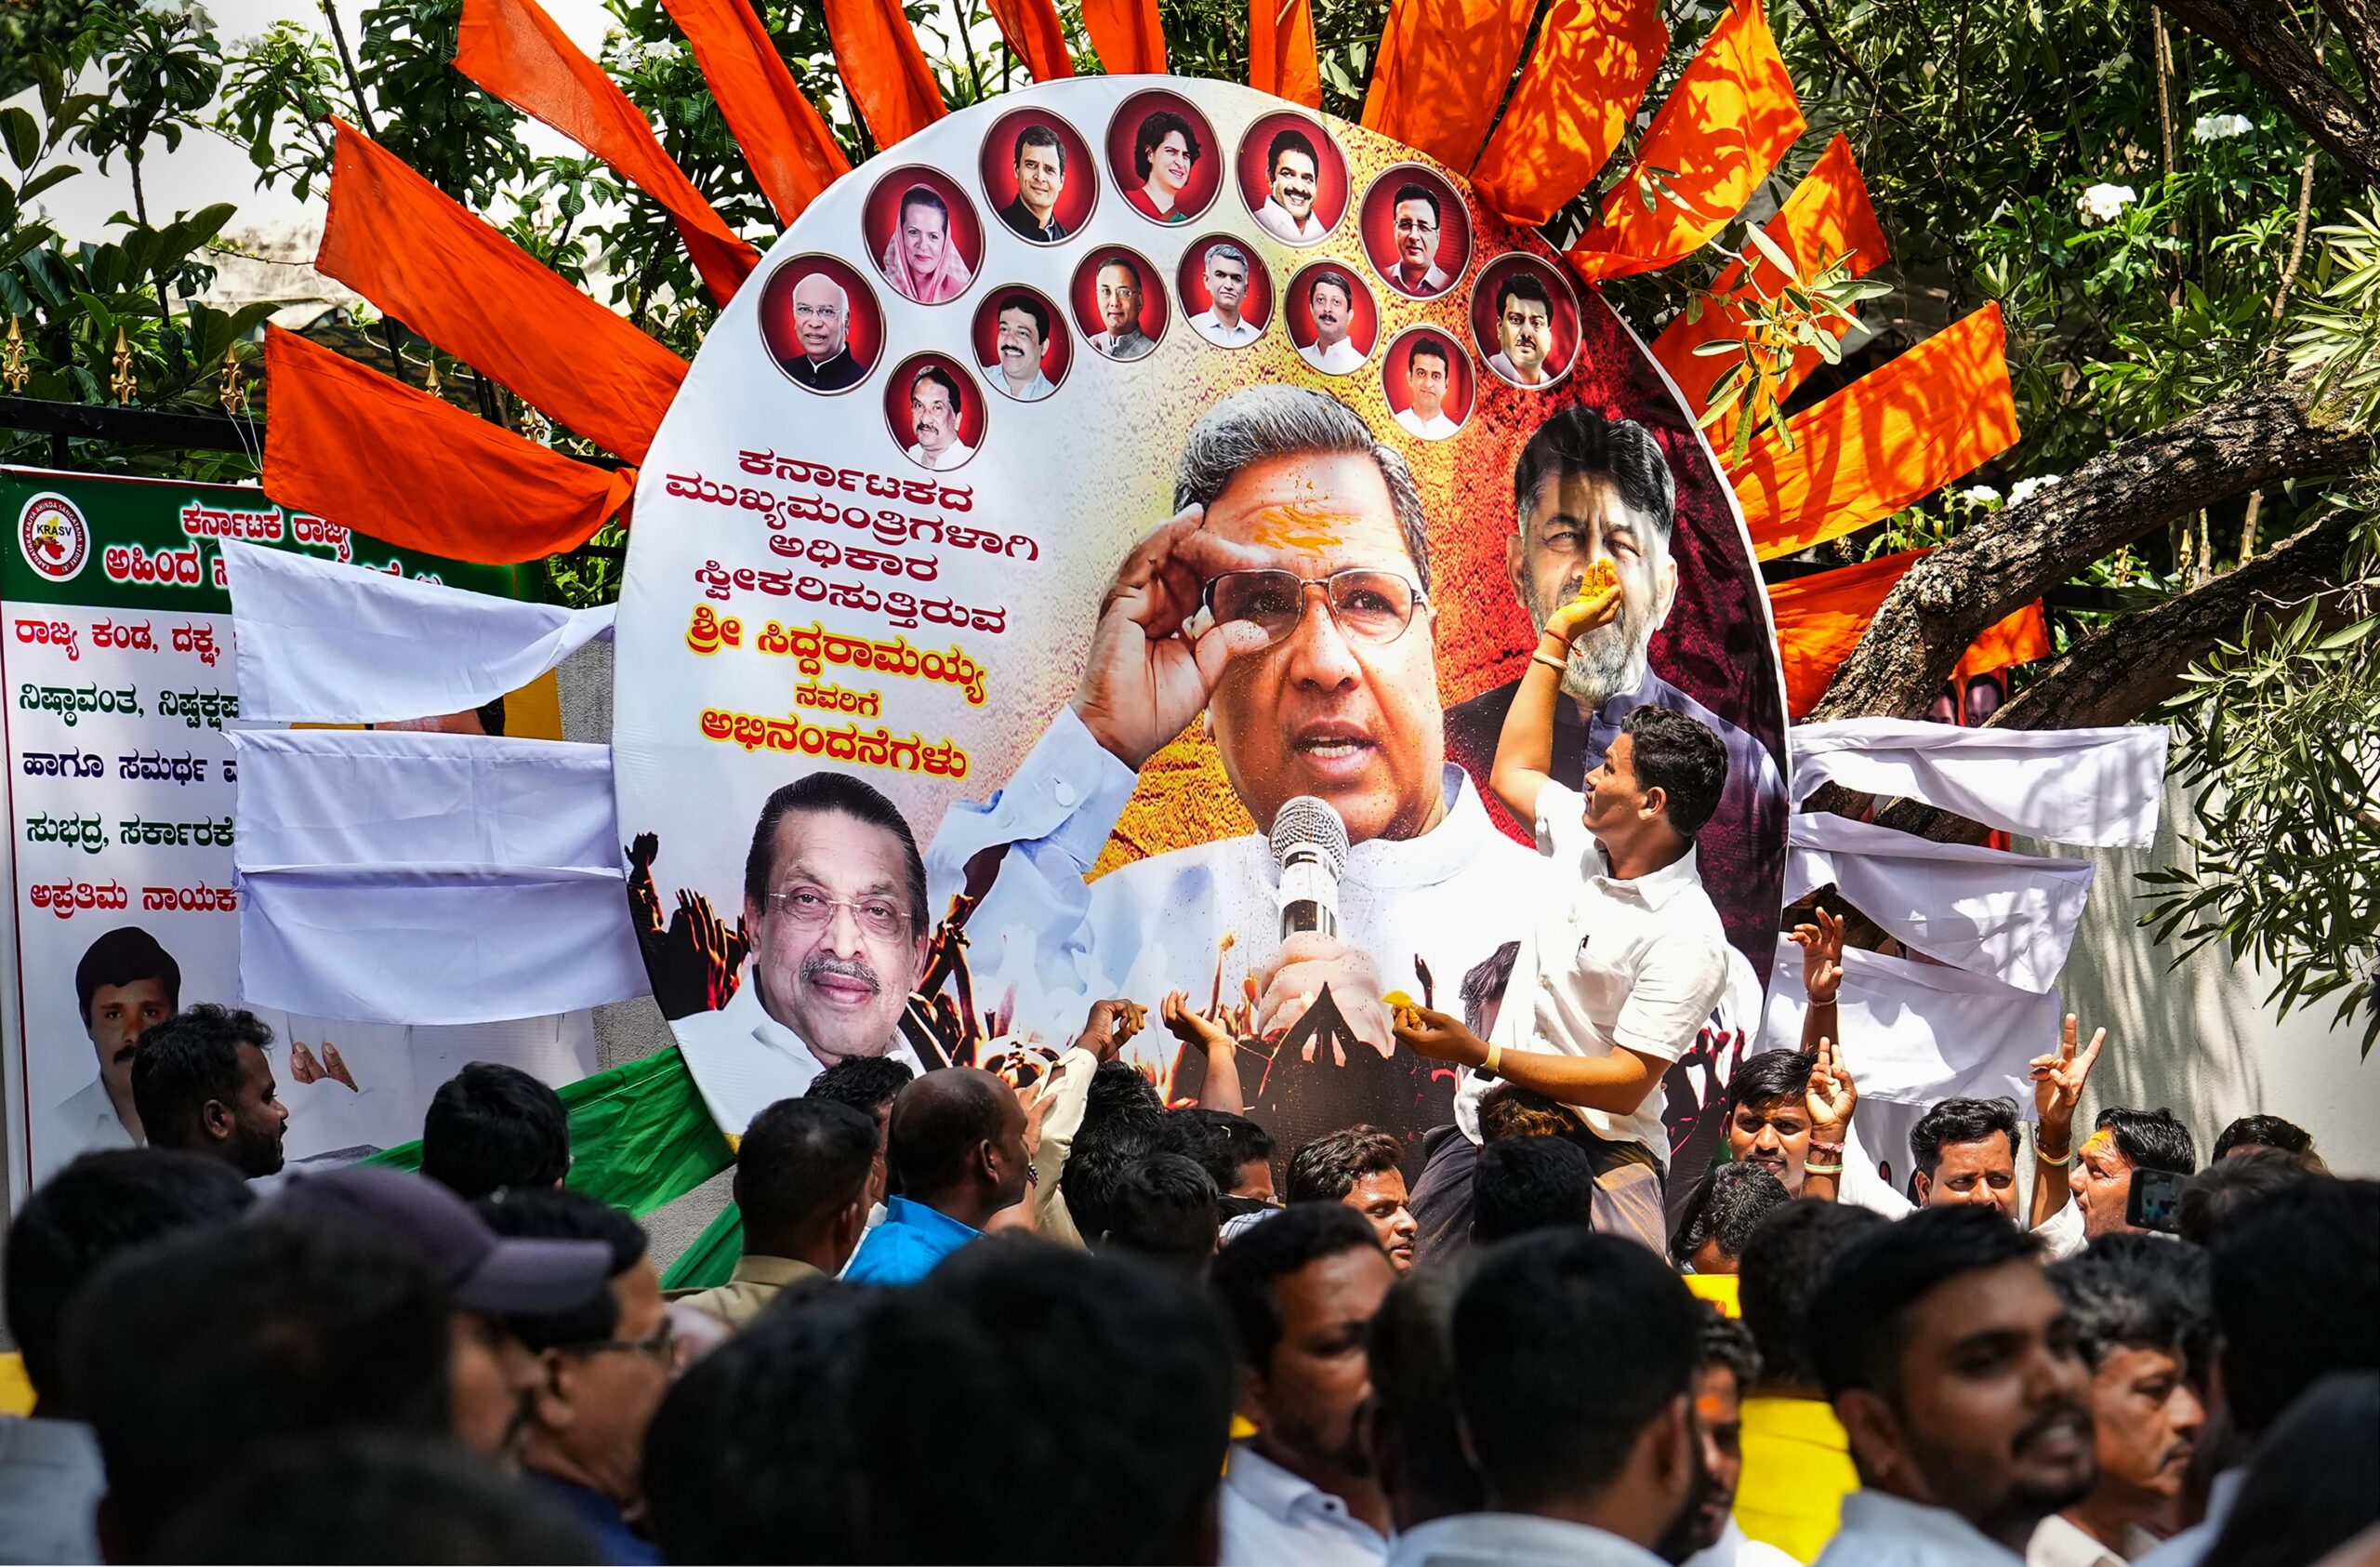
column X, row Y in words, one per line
column 2043, row 1155
column 1825, row 1150
column 1809, row 1169
column 1556, row 665
column 1495, row 1058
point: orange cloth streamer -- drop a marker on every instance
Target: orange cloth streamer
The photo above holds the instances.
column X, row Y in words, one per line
column 1128, row 36
column 1826, row 219
column 513, row 49
column 2015, row 639
column 409, row 248
column 883, row 67
column 1441, row 72
column 1280, row 50
column 1723, row 127
column 1593, row 61
column 346, row 443
column 1820, row 618
column 1897, row 434
column 793, row 154
column 1034, row 30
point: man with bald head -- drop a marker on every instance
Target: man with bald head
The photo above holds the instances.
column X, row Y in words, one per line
column 956, row 1148
column 822, row 319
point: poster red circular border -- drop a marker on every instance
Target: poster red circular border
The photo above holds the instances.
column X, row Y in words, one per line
column 1379, row 226
column 1079, row 188
column 1057, row 349
column 1255, row 182
column 1206, row 169
column 974, row 413
column 880, row 220
column 1190, row 283
column 863, row 331
column 1564, row 323
column 1462, row 379
column 1297, row 315
column 1083, row 297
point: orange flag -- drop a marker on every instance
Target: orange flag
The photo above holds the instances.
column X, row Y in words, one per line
column 1897, row 435
column 2017, row 639
column 1127, row 34
column 409, row 248
column 1280, row 50
column 1820, row 618
column 1593, row 61
column 370, row 454
column 793, row 154
column 1034, row 30
column 1723, row 127
column 1825, row 219
column 513, row 49
column 1441, row 72
column 883, row 67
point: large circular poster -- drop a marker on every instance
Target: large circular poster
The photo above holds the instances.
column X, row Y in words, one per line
column 1027, row 535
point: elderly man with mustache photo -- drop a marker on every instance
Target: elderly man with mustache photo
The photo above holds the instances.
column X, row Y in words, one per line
column 822, row 320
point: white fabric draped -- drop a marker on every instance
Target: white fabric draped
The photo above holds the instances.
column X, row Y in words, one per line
column 2070, row 785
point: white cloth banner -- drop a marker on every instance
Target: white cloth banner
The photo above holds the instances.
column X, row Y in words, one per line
column 2070, row 785
column 421, row 878
column 322, row 643
column 2010, row 916
column 1914, row 1033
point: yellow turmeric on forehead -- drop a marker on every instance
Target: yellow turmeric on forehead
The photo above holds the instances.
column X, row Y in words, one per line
column 2100, row 1143
column 1298, row 524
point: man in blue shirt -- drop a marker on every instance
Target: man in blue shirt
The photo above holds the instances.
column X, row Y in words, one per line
column 956, row 1148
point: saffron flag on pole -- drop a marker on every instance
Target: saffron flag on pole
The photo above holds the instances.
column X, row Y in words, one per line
column 1593, row 62
column 1038, row 34
column 1821, row 617
column 1127, row 34
column 793, row 154
column 884, row 68
column 1442, row 69
column 1280, row 50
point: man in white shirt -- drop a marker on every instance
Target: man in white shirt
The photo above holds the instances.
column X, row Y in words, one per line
column 1954, row 1367
column 1414, row 211
column 2099, row 1179
column 1119, row 287
column 124, row 984
column 1226, row 275
column 1289, row 168
column 1023, row 336
column 1425, row 390
column 1574, row 1360
column 835, row 899
column 1332, row 300
column 1299, row 1291
column 1523, row 329
column 935, row 406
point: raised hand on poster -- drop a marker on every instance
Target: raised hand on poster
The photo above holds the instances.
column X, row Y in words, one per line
column 1297, row 972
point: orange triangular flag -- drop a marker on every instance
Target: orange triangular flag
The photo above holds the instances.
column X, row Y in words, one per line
column 1280, row 50
column 429, row 476
column 1441, row 72
column 2019, row 638
column 1037, row 34
column 449, row 275
column 1895, row 436
column 513, row 49
column 1825, row 219
column 1723, row 127
column 1127, row 34
column 793, row 154
column 884, row 68
column 1821, row 617
column 1593, row 61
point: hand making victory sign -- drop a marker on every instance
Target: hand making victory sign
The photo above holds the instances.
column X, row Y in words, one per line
column 2058, row 1079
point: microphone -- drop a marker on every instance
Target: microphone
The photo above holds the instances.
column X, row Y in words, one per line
column 1310, row 846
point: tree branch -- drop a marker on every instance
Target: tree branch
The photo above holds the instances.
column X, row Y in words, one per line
column 2251, row 439
column 2252, row 32
column 2362, row 31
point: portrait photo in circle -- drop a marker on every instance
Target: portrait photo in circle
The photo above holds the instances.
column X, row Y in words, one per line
column 1226, row 293
column 924, row 234
column 1292, row 177
column 821, row 322
column 1164, row 157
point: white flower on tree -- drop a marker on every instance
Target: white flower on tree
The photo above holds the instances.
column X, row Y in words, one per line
column 2024, row 490
column 2219, row 127
column 2105, row 204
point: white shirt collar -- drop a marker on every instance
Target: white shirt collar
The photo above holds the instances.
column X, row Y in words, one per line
column 1655, row 888
column 1878, row 1515
column 1444, row 851
column 1514, row 1540
column 2058, row 1541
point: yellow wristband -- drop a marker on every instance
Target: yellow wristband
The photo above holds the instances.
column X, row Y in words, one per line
column 1556, row 665
column 1495, row 1058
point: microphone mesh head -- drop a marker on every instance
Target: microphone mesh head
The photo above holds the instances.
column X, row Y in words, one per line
column 1307, row 822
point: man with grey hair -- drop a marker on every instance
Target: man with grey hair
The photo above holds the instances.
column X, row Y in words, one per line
column 1226, row 275
column 1287, row 602
column 822, row 318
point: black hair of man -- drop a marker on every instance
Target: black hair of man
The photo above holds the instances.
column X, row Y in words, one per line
column 1429, row 348
column 939, row 1124
column 923, row 195
column 192, row 1354
column 1328, row 1168
column 1952, row 1122
column 1205, row 1139
column 1411, row 192
column 567, row 1215
column 125, row 955
column 1525, row 1184
column 1680, row 755
column 943, row 379
column 491, row 1126
column 2149, row 1139
column 1291, row 142
column 826, row 790
column 1120, row 1103
column 1778, row 1276
column 184, row 1062
column 2315, row 1483
column 1523, row 284
column 2214, row 1196
column 1728, row 1205
column 1327, row 278
column 802, row 1162
column 1556, row 1325
column 1416, row 1431
column 1032, row 310
column 1580, row 441
column 1165, row 1211
column 1248, row 1141
column 1726, row 1341
column 1245, row 1270
column 1773, row 1076
column 100, row 1204
column 2261, row 1132
column 2138, row 1292
column 367, row 1496
column 1107, row 1381
column 1484, row 984
column 1152, row 135
column 2297, row 1294
column 864, row 1082
column 1510, row 1110
column 1041, row 136
column 1088, row 1181
column 1856, row 1324
column 752, row 1455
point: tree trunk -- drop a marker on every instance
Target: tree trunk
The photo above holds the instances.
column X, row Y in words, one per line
column 2259, row 35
